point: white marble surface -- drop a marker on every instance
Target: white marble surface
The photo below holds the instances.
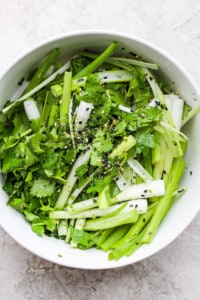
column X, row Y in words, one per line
column 174, row 273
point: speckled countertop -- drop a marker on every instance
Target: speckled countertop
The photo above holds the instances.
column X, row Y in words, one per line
column 173, row 273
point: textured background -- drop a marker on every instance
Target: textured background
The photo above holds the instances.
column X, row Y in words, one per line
column 174, row 273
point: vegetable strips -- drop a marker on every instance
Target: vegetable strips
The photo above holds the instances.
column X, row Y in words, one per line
column 92, row 151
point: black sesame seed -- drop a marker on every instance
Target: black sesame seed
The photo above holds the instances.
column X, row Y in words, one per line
column 157, row 102
column 124, row 183
column 133, row 54
column 87, row 108
column 150, row 78
column 144, row 220
column 80, row 122
column 105, row 77
column 145, row 191
column 131, row 205
column 136, row 205
column 21, row 81
column 191, row 173
column 123, row 48
column 142, row 195
column 163, row 106
column 80, row 80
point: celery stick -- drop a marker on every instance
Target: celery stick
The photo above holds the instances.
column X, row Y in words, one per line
column 136, row 228
column 123, row 147
column 66, row 97
column 78, row 225
column 46, row 110
column 69, row 231
column 114, row 237
column 190, row 115
column 39, row 75
column 104, row 235
column 104, row 198
column 166, row 201
column 98, row 61
column 127, row 248
column 53, row 113
column 57, row 90
column 123, row 62
column 117, row 220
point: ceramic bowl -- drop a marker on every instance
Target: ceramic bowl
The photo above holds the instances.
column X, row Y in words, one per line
column 182, row 211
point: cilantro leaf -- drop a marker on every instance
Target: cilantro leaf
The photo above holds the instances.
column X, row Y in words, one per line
column 107, row 146
column 38, row 229
column 42, row 188
column 80, row 237
column 11, row 161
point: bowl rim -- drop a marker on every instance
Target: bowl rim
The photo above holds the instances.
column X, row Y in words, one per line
column 143, row 41
column 114, row 34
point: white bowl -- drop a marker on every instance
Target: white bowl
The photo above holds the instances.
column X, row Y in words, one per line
column 182, row 212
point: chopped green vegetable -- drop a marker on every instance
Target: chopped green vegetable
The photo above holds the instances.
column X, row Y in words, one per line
column 93, row 153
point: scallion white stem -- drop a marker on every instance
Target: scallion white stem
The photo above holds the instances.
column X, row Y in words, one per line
column 125, row 109
column 140, row 205
column 115, row 76
column 78, row 190
column 106, row 77
column 31, row 110
column 82, row 116
column 135, row 62
column 175, row 106
column 83, row 205
column 142, row 190
column 71, row 180
column 121, row 182
column 62, row 228
column 38, row 87
column 139, row 169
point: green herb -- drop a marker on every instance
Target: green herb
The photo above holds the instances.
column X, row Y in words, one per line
column 100, row 162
